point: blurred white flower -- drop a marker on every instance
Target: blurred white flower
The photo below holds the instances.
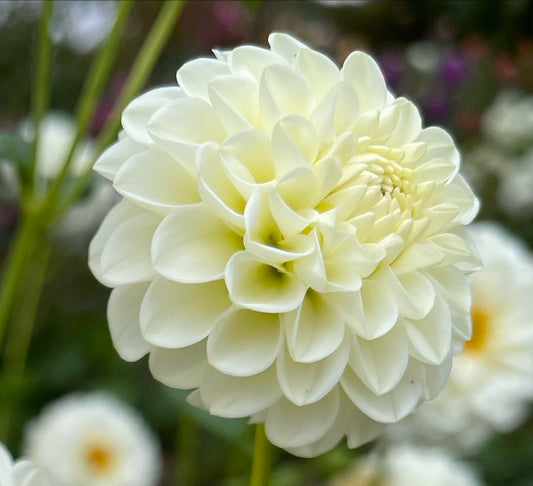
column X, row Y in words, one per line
column 515, row 196
column 22, row 472
column 509, row 121
column 407, row 465
column 490, row 386
column 93, row 440
column 290, row 243
column 57, row 133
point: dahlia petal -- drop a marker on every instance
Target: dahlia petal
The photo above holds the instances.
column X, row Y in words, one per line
column 216, row 189
column 389, row 407
column 255, row 285
column 430, row 337
column 361, row 429
column 123, row 317
column 285, row 45
column 124, row 254
column 156, row 181
column 439, row 145
column 192, row 245
column 337, row 112
column 244, row 343
column 313, row 331
column 231, row 396
column 180, row 127
column 306, row 383
column 319, row 71
column 290, row 222
column 252, row 60
column 435, row 377
column 378, row 374
column 295, row 144
column 365, row 77
column 179, row 368
column 460, row 193
column 289, row 426
column 248, row 155
column 283, row 92
column 235, row 100
column 175, row 315
column 136, row 115
column 194, row 76
column 437, row 170
column 332, row 436
column 380, row 310
column 117, row 154
column 408, row 125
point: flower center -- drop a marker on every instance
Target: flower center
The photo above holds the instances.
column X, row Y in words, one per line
column 480, row 330
column 99, row 458
column 391, row 176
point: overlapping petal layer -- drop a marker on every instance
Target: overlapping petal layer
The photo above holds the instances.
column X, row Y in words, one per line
column 290, row 243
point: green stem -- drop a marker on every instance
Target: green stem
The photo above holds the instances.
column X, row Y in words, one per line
column 41, row 88
column 15, row 267
column 141, row 69
column 260, row 475
column 21, row 329
column 92, row 89
column 186, row 452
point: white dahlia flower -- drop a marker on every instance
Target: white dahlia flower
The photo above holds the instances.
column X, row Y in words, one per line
column 290, row 243
column 93, row 440
column 490, row 385
column 407, row 465
column 21, row 472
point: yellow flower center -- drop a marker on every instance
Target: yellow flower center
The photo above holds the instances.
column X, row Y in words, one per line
column 99, row 458
column 480, row 330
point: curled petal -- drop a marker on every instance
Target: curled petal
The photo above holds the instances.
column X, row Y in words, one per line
column 123, row 317
column 231, row 396
column 367, row 360
column 251, row 61
column 136, row 115
column 306, row 383
column 314, row 330
column 112, row 158
column 389, row 407
column 180, row 128
column 154, row 180
column 216, row 188
column 282, row 92
column 289, row 426
column 192, row 245
column 179, row 368
column 285, row 45
column 120, row 251
column 320, row 71
column 194, row 76
column 431, row 337
column 175, row 315
column 365, row 77
column 244, row 343
column 362, row 429
column 258, row 286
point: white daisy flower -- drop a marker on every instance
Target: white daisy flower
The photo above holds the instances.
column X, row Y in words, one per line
column 407, row 465
column 290, row 243
column 93, row 440
column 490, row 386
column 22, row 472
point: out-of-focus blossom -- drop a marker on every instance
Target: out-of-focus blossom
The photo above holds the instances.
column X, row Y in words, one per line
column 424, row 56
column 490, row 386
column 342, row 3
column 453, row 69
column 515, row 194
column 56, row 135
column 290, row 243
column 509, row 121
column 83, row 26
column 22, row 472
column 93, row 440
column 407, row 465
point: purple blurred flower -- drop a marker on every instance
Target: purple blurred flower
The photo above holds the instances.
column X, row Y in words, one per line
column 454, row 68
column 392, row 62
